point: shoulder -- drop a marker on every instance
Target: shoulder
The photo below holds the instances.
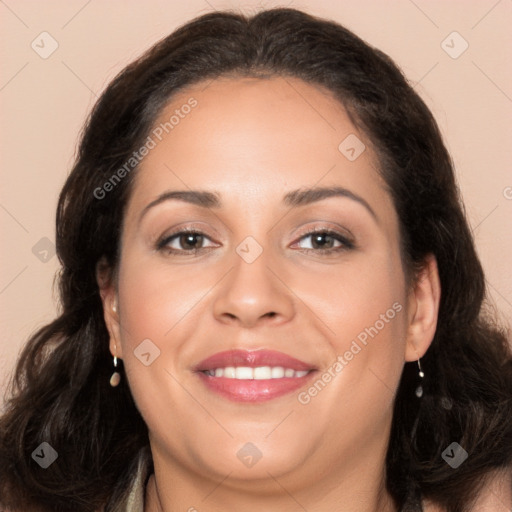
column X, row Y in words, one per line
column 134, row 498
column 496, row 495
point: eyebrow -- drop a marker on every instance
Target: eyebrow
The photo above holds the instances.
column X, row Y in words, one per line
column 293, row 199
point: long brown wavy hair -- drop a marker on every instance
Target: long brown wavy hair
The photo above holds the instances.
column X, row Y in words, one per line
column 60, row 392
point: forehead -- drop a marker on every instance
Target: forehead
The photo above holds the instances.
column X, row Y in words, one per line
column 254, row 139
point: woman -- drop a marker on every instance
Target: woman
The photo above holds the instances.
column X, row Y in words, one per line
column 271, row 298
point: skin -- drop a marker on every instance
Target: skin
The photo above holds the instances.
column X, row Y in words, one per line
column 252, row 141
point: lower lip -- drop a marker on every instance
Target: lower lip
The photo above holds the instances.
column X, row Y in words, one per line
column 252, row 390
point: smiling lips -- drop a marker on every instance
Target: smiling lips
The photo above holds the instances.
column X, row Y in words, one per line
column 253, row 376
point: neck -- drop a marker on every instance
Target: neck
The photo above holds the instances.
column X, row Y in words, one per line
column 347, row 488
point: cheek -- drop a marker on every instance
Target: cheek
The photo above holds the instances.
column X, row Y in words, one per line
column 362, row 300
column 155, row 298
column 368, row 308
column 155, row 305
column 366, row 315
column 157, row 320
column 355, row 392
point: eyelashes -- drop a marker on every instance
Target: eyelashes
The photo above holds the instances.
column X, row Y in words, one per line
column 318, row 235
column 184, row 235
column 322, row 241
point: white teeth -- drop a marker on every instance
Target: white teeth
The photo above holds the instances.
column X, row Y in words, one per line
column 258, row 373
column 262, row 372
column 230, row 372
column 244, row 373
column 277, row 372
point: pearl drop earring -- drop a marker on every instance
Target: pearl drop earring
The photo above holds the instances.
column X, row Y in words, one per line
column 419, row 389
column 115, row 379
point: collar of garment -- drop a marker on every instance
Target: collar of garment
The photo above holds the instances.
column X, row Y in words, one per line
column 134, row 500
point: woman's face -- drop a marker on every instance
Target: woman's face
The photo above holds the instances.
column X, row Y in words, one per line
column 255, row 279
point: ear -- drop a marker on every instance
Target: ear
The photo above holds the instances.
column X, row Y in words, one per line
column 423, row 309
column 108, row 294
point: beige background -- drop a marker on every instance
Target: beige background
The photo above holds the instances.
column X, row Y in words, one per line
column 44, row 103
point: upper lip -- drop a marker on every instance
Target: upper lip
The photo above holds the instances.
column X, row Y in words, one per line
column 251, row 359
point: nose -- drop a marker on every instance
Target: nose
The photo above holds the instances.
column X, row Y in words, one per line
column 254, row 293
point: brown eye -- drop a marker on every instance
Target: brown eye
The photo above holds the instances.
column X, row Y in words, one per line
column 183, row 242
column 322, row 241
column 326, row 241
column 190, row 240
